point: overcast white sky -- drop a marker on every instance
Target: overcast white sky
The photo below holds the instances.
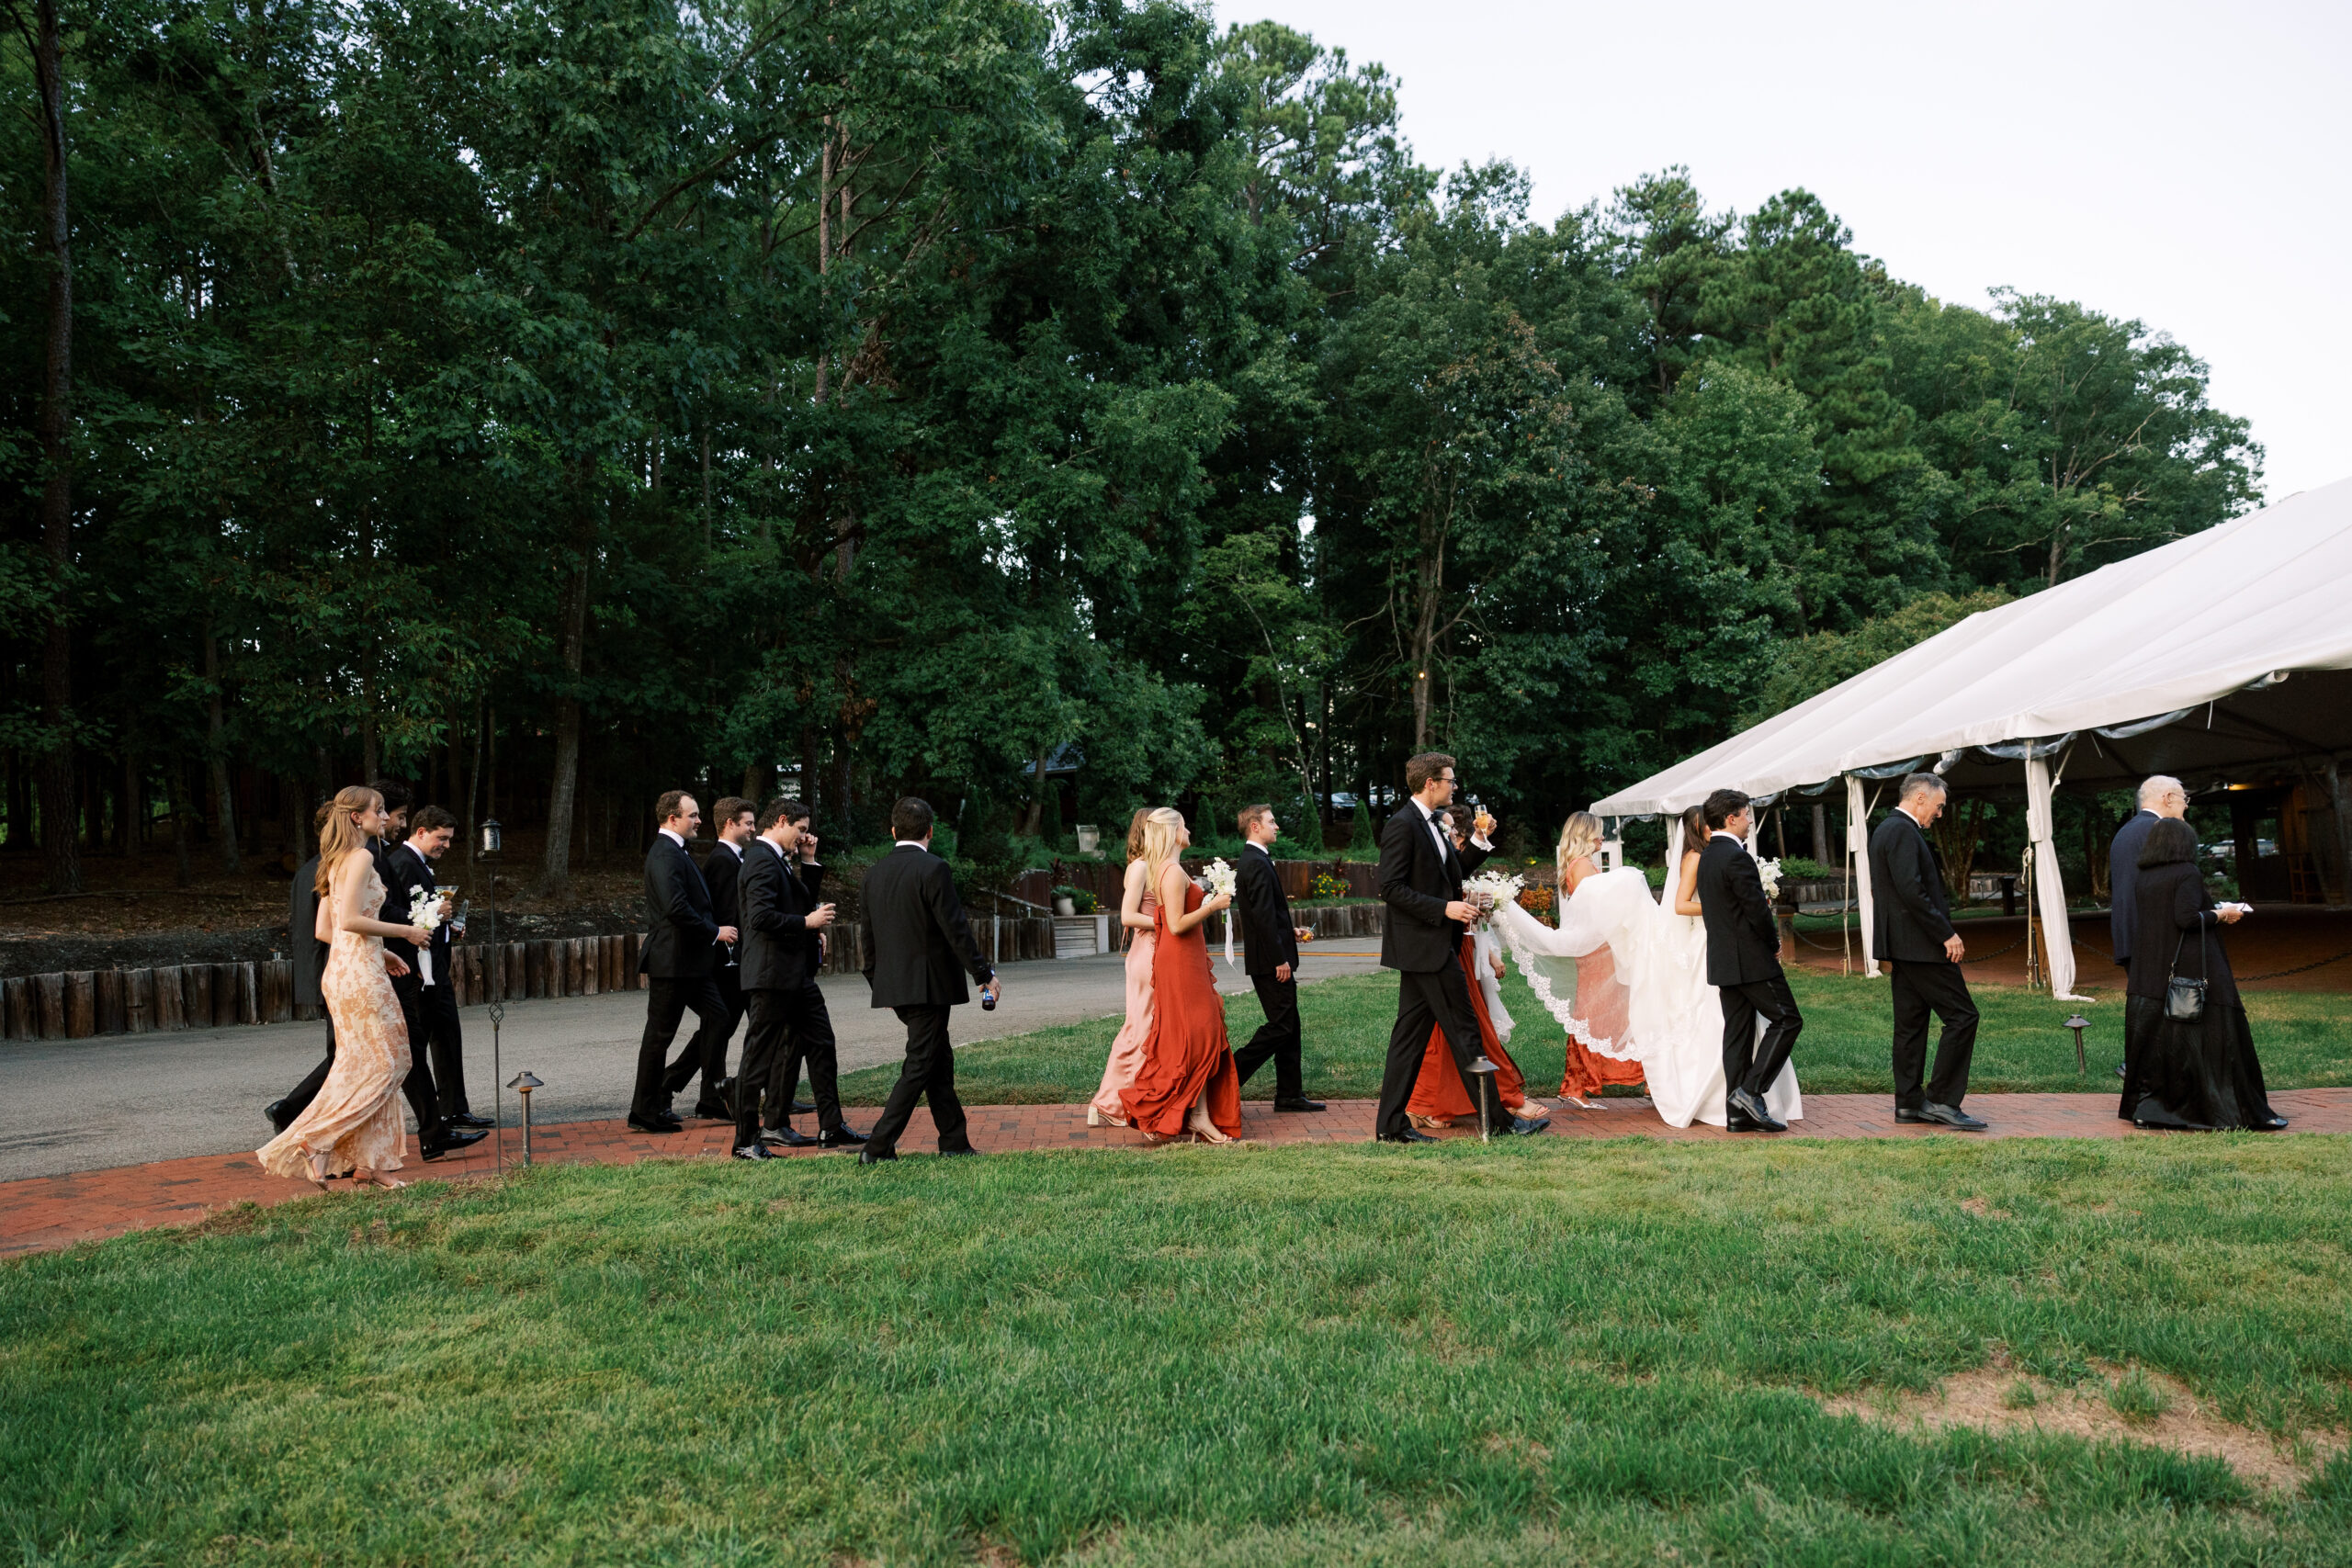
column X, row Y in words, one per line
column 2189, row 165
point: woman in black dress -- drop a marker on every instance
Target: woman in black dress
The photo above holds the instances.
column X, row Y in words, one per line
column 2200, row 1075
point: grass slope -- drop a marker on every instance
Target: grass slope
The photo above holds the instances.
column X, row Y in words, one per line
column 1538, row 1352
column 2021, row 1045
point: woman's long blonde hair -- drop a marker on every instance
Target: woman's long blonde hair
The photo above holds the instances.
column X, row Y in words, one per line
column 339, row 835
column 1160, row 846
column 1579, row 836
column 1134, row 831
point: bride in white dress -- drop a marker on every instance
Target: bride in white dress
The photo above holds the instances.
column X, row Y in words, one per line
column 1657, row 1009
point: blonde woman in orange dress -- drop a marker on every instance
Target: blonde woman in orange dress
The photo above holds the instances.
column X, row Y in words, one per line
column 1587, row 1072
column 353, row 1126
column 1188, row 1083
column 1138, row 910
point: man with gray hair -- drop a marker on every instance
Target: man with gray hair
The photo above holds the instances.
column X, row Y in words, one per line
column 1912, row 929
column 2161, row 795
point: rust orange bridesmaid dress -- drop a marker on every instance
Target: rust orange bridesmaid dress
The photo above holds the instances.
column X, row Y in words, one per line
column 1186, row 1057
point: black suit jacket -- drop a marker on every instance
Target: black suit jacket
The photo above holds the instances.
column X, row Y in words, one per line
column 408, row 885
column 917, row 944
column 722, row 872
column 1911, row 918
column 1268, row 938
column 1417, row 884
column 302, row 944
column 1743, row 938
column 779, row 950
column 2177, row 925
column 2124, row 883
column 681, row 942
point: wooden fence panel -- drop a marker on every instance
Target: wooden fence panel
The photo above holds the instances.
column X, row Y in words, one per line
column 50, row 989
column 24, row 1011
column 196, row 995
column 81, row 1004
column 276, row 1001
column 249, row 992
column 138, row 1000
column 109, row 1001
column 171, row 997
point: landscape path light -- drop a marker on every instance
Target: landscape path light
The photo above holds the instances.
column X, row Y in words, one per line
column 2078, row 1023
column 523, row 1085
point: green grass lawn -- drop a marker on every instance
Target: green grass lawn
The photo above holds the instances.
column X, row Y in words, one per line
column 1538, row 1352
column 2304, row 1040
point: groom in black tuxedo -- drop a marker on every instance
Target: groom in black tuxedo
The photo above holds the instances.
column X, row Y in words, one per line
column 1914, row 935
column 681, row 948
column 1744, row 965
column 917, row 949
column 706, row 1049
column 1421, row 880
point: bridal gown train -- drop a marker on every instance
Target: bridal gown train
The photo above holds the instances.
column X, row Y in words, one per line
column 1652, row 1004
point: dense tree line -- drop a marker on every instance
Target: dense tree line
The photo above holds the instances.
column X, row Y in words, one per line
column 556, row 401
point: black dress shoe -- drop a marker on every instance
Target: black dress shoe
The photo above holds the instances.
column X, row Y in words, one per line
column 652, row 1124
column 468, row 1118
column 1745, row 1102
column 755, row 1151
column 1950, row 1116
column 1298, row 1104
column 712, row 1111
column 1409, row 1135
column 276, row 1112
column 1905, row 1113
column 1740, row 1122
column 840, row 1138
column 2274, row 1122
column 435, row 1148
column 787, row 1136
column 800, row 1109
column 867, row 1156
column 958, row 1154
column 1525, row 1126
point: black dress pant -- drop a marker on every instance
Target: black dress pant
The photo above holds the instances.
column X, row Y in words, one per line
column 706, row 1051
column 667, row 999
column 298, row 1099
column 1277, row 1039
column 1748, row 1063
column 448, row 1041
column 423, row 1102
column 807, row 1041
column 1426, row 999
column 1921, row 987
column 930, row 1071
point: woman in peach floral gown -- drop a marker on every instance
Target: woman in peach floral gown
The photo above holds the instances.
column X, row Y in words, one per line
column 1138, row 910
column 354, row 1124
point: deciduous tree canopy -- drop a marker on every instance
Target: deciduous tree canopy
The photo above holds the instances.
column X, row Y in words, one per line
column 556, row 401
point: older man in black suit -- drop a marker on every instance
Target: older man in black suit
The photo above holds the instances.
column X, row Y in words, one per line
column 1912, row 931
column 783, row 924
column 1744, row 965
column 680, row 949
column 2161, row 795
column 917, row 949
column 1421, row 881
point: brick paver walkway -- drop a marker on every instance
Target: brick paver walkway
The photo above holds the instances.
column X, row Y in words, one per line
column 51, row 1212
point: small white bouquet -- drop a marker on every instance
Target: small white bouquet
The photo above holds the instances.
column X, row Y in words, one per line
column 1218, row 880
column 1769, row 872
column 1489, row 890
column 425, row 910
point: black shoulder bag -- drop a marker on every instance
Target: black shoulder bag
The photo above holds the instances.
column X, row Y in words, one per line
column 2185, row 996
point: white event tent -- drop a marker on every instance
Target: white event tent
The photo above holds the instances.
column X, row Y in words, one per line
column 2225, row 653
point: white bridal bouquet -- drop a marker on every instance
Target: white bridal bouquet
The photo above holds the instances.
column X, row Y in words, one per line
column 1489, row 890
column 1769, row 871
column 1218, row 880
